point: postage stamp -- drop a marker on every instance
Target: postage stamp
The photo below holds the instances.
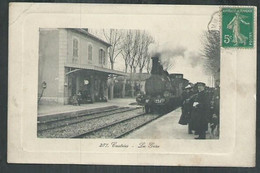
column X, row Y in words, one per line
column 238, row 27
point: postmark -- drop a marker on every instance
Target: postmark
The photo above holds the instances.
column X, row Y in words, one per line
column 237, row 27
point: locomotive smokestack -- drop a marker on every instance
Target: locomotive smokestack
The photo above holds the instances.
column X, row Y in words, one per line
column 156, row 66
column 155, row 63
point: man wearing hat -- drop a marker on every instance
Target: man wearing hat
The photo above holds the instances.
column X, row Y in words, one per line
column 200, row 111
column 185, row 116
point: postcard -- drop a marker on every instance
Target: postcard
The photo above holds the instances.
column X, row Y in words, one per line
column 132, row 84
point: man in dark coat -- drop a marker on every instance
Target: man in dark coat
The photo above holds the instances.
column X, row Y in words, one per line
column 200, row 112
column 186, row 109
column 215, row 109
column 216, row 98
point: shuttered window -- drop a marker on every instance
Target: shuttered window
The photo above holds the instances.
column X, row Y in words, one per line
column 89, row 52
column 102, row 59
column 75, row 48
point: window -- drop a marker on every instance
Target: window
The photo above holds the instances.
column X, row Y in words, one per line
column 75, row 49
column 89, row 52
column 102, row 56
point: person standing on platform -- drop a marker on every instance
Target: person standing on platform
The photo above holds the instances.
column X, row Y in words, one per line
column 79, row 98
column 189, row 107
column 200, row 112
column 214, row 124
column 185, row 116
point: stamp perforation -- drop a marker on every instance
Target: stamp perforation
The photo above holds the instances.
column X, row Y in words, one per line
column 253, row 28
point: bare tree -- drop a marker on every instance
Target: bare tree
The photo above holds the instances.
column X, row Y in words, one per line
column 113, row 37
column 130, row 52
column 148, row 65
column 135, row 51
column 143, row 54
column 130, row 49
column 126, row 47
column 211, row 51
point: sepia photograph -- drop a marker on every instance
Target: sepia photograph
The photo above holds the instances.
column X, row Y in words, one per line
column 132, row 84
column 118, row 83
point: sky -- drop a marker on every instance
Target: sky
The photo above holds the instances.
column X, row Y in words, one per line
column 179, row 38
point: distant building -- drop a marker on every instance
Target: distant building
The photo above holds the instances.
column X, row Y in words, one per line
column 73, row 60
column 130, row 85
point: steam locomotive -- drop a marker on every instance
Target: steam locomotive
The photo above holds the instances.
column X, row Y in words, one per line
column 163, row 90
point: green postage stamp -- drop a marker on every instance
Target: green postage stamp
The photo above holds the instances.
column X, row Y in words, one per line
column 238, row 27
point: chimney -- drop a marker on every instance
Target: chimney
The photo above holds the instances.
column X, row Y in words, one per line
column 156, row 66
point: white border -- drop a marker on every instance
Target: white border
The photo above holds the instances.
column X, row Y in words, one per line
column 236, row 146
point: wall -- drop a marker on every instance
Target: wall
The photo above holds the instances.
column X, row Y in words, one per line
column 63, row 53
column 84, row 41
column 48, row 62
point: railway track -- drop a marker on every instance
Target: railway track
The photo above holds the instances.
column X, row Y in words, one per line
column 104, row 126
column 70, row 128
column 115, row 123
column 120, row 128
column 50, row 125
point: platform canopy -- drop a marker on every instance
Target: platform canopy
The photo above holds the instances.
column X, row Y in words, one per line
column 80, row 67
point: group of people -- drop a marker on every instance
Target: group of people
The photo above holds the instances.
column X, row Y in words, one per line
column 84, row 96
column 200, row 110
column 76, row 99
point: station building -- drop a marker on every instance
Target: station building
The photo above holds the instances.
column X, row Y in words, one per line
column 73, row 60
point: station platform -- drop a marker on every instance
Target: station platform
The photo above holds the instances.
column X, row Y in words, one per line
column 54, row 109
column 165, row 127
